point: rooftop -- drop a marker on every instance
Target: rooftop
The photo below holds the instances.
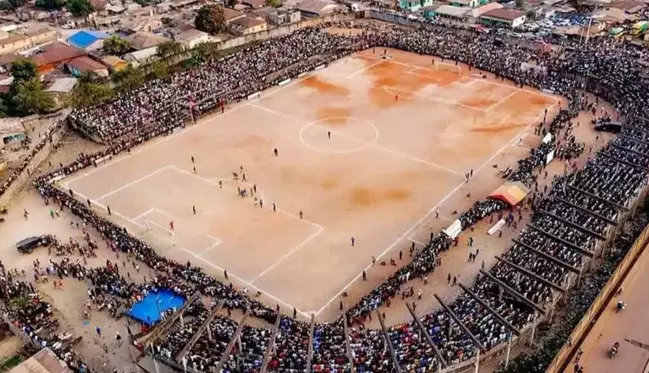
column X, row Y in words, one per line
column 452, row 11
column 86, row 64
column 143, row 40
column 57, row 52
column 44, row 361
column 230, row 14
column 505, row 14
column 85, row 38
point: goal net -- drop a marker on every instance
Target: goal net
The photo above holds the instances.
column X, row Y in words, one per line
column 447, row 66
column 160, row 234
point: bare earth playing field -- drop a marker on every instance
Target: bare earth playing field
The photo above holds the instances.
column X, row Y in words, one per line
column 403, row 134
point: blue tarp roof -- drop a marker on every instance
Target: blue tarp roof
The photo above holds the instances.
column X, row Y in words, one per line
column 85, row 38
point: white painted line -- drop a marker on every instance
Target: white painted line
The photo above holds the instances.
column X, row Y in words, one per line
column 287, row 255
column 415, row 159
column 130, row 184
column 429, row 98
column 417, row 242
column 247, row 283
column 145, row 213
column 501, row 101
column 364, row 69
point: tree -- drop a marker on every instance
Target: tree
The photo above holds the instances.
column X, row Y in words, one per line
column 211, row 19
column 520, row 3
column 80, row 8
column 29, row 97
column 116, row 45
column 169, row 49
column 50, row 4
column 201, row 53
column 274, row 3
column 22, row 70
column 89, row 92
column 128, row 79
column 158, row 70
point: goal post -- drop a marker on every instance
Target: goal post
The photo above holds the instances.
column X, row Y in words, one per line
column 156, row 229
column 445, row 66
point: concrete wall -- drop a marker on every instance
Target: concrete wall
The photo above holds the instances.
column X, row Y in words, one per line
column 36, row 160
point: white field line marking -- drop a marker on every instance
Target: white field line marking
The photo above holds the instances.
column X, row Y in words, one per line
column 418, row 223
column 145, row 213
column 415, row 66
column 417, row 242
column 501, row 101
column 287, row 255
column 429, row 98
column 131, row 183
column 247, row 283
column 364, row 69
column 370, row 144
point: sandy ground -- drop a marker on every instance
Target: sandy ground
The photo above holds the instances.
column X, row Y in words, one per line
column 629, row 328
column 389, row 164
column 367, row 148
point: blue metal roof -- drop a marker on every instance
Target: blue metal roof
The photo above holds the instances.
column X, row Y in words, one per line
column 85, row 38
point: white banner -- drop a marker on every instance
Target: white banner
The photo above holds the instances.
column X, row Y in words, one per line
column 454, row 229
column 547, row 138
column 549, row 158
column 496, row 227
column 284, row 82
column 254, row 95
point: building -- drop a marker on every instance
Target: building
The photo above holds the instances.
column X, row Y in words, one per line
column 180, row 4
column 44, row 361
column 479, row 11
column 41, row 35
column 316, row 8
column 451, row 12
column 12, row 132
column 254, row 4
column 248, row 25
column 145, row 40
column 278, row 16
column 54, row 55
column 465, row 3
column 231, row 15
column 140, row 56
column 192, row 37
column 414, row 5
column 114, row 63
column 14, row 43
column 83, row 65
column 88, row 40
column 503, row 17
column 61, row 88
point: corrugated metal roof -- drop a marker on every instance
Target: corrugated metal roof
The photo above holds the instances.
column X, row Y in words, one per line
column 452, row 11
column 85, row 38
column 44, row 361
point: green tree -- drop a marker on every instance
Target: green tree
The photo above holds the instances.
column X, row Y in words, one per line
column 80, row 8
column 211, row 19
column 274, row 3
column 22, row 70
column 127, row 79
column 50, row 4
column 201, row 53
column 167, row 50
column 89, row 92
column 28, row 97
column 158, row 70
column 116, row 45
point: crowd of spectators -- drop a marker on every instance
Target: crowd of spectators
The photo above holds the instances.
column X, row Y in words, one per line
column 608, row 182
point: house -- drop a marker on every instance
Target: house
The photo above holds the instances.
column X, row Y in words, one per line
column 61, row 88
column 180, row 4
column 465, row 3
column 140, row 56
column 414, row 5
column 6, row 60
column 316, row 8
column 44, row 361
column 54, row 55
column 451, row 12
column 278, row 16
column 115, row 9
column 14, row 43
column 192, row 37
column 477, row 12
column 147, row 24
column 145, row 40
column 41, row 35
column 254, row 4
column 248, row 25
column 88, row 40
column 82, row 65
column 114, row 63
column 231, row 15
column 503, row 17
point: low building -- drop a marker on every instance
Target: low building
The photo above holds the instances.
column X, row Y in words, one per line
column 88, row 40
column 231, row 15
column 140, row 56
column 479, row 11
column 44, row 361
column 192, row 37
column 14, row 43
column 316, row 8
column 84, row 65
column 414, row 5
column 145, row 40
column 180, row 4
column 61, row 88
column 254, row 4
column 114, row 63
column 55, row 55
column 452, row 12
column 465, row 3
column 41, row 35
column 503, row 17
column 248, row 25
column 278, row 16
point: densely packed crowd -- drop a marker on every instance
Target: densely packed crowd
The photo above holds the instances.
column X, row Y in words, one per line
column 609, row 181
